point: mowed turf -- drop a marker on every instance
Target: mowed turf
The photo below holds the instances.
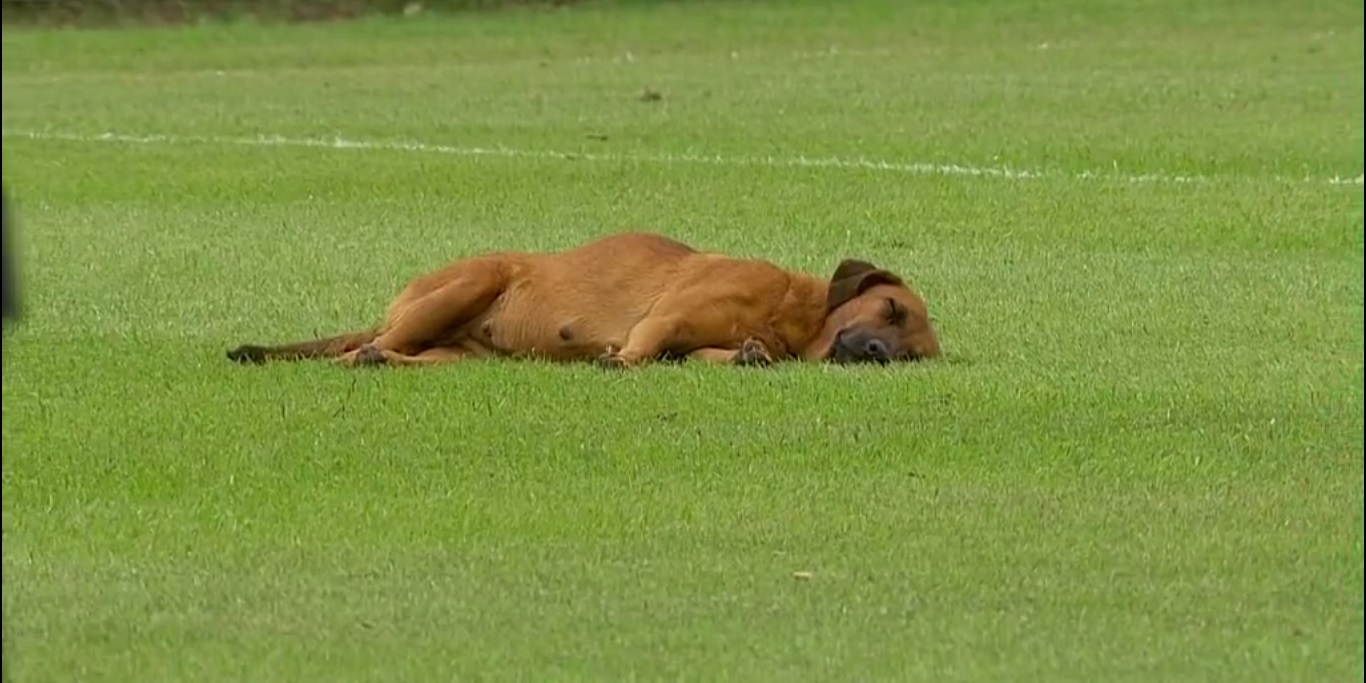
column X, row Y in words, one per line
column 1140, row 459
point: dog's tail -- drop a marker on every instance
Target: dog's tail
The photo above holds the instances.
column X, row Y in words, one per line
column 329, row 347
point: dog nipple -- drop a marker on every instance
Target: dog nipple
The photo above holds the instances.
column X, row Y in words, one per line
column 566, row 333
column 487, row 329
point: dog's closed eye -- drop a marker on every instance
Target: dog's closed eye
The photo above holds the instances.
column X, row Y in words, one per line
column 896, row 313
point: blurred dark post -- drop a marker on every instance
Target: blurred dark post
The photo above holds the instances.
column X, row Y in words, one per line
column 9, row 301
column 10, row 297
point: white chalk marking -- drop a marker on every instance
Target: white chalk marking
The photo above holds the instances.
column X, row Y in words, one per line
column 913, row 168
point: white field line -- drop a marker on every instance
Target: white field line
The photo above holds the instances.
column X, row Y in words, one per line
column 912, row 168
column 40, row 77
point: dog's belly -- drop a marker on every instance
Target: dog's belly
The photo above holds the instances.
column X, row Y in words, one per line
column 572, row 306
column 525, row 325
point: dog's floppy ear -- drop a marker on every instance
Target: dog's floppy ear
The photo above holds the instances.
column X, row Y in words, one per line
column 851, row 278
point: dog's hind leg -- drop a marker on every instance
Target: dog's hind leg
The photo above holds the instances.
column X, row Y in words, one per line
column 330, row 347
column 468, row 291
column 371, row 355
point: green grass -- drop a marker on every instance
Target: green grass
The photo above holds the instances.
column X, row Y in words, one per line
column 1140, row 460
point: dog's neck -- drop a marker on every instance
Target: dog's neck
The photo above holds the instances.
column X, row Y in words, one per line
column 803, row 327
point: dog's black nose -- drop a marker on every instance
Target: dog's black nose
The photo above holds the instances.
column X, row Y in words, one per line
column 876, row 348
column 852, row 346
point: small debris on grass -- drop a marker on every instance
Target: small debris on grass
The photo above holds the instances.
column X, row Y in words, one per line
column 597, row 136
column 650, row 95
column 802, row 576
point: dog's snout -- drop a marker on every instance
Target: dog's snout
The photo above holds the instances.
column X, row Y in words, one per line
column 860, row 346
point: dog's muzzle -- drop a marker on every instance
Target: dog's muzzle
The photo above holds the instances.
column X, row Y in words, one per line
column 853, row 346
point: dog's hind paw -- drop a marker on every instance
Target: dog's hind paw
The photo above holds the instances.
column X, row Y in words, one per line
column 370, row 355
column 248, row 354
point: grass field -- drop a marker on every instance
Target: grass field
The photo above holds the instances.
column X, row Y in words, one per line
column 1138, row 224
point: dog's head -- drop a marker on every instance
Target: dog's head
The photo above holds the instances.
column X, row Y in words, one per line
column 873, row 316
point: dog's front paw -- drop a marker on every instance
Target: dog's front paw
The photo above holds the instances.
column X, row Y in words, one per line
column 248, row 354
column 753, row 352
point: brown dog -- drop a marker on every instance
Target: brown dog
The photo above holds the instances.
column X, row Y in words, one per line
column 632, row 298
